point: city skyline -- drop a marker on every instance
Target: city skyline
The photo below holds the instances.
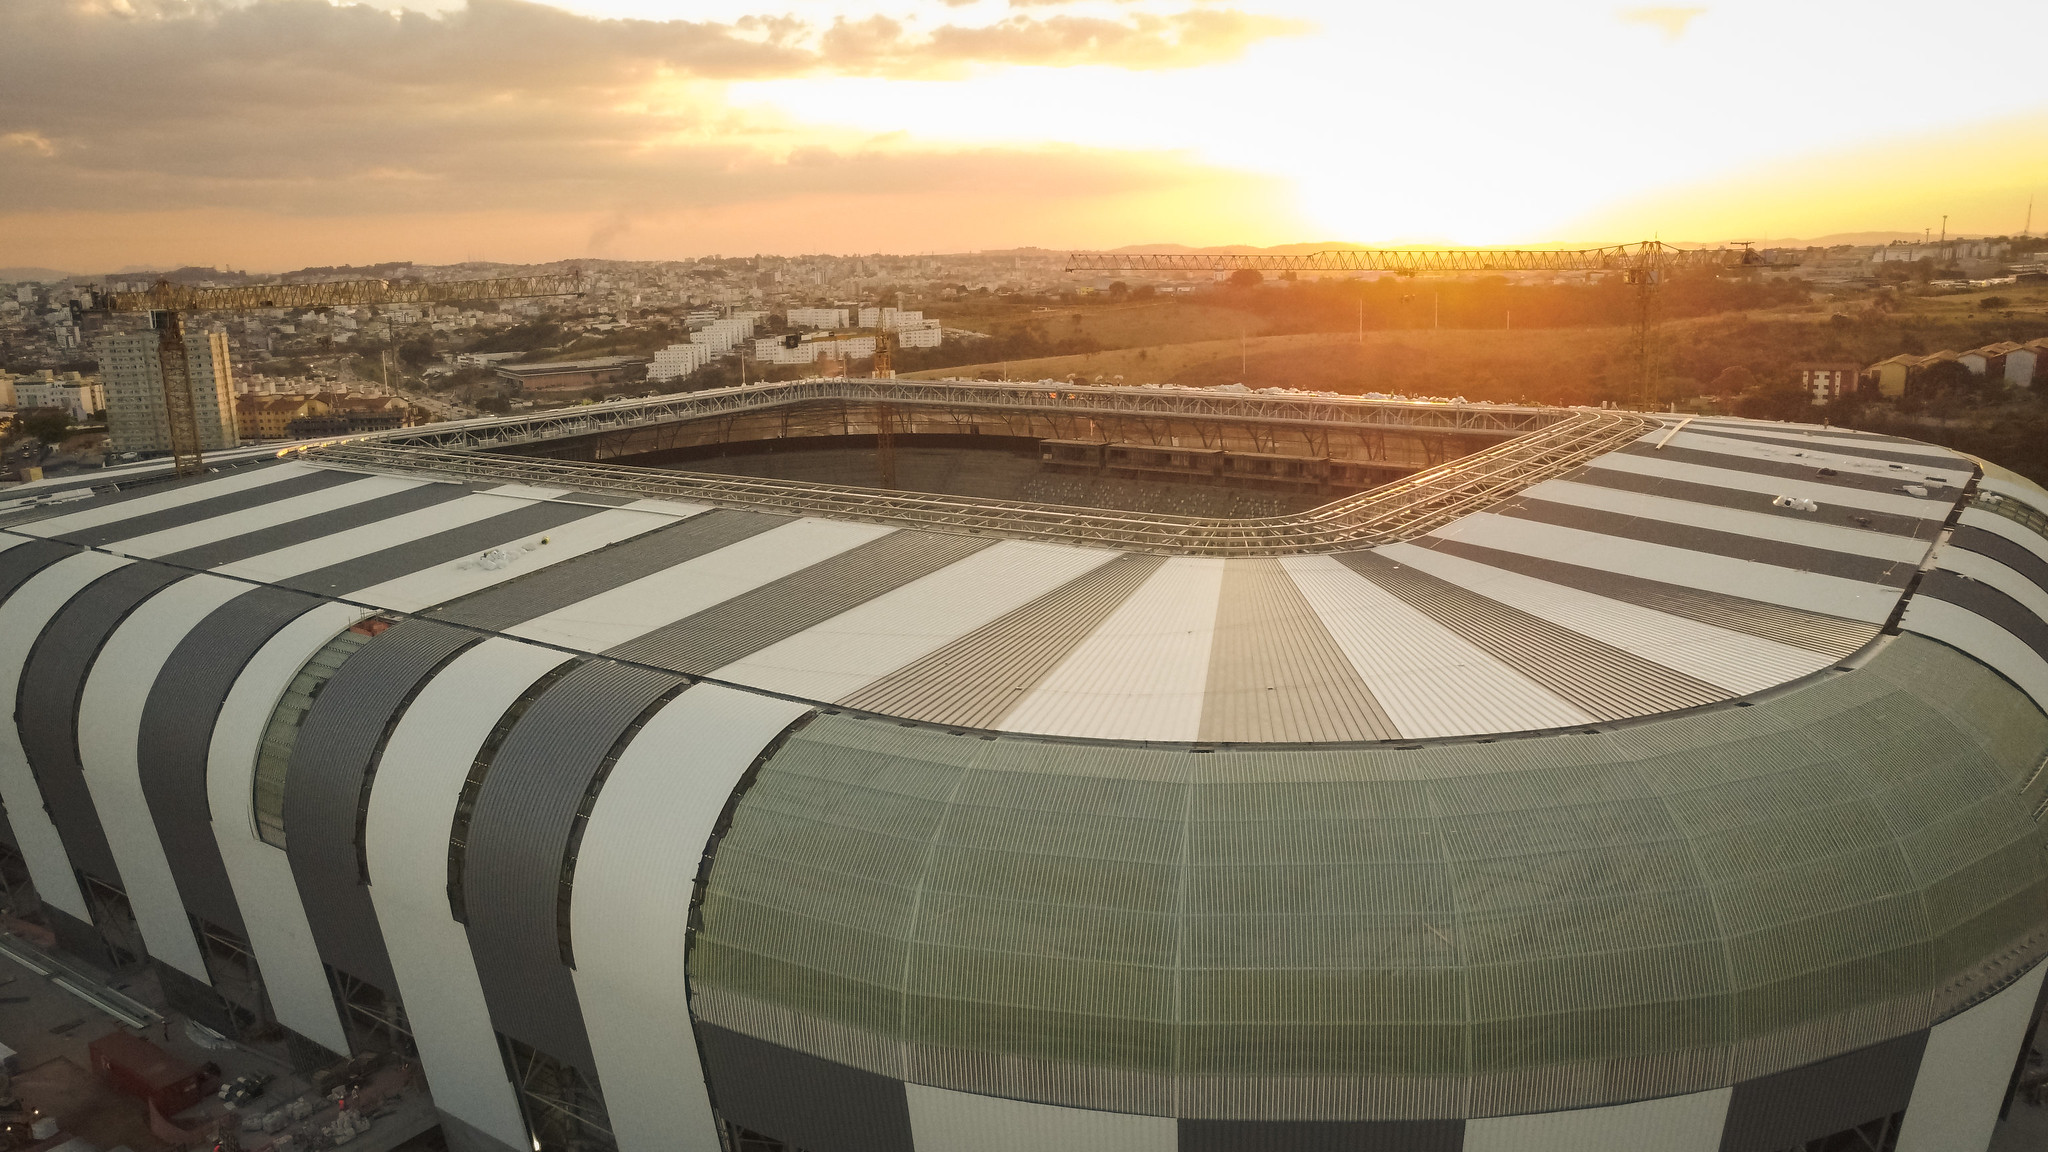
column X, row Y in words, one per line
column 273, row 134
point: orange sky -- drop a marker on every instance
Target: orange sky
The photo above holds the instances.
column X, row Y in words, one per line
column 305, row 132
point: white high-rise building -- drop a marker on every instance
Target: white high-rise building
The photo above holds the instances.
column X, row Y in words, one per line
column 136, row 419
column 678, row 360
column 818, row 318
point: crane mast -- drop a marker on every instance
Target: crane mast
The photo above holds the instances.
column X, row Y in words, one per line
column 1644, row 265
column 168, row 304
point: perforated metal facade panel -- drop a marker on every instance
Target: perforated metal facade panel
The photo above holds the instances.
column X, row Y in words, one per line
column 1364, row 933
column 324, row 798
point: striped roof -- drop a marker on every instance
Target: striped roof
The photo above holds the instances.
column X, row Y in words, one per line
column 1710, row 560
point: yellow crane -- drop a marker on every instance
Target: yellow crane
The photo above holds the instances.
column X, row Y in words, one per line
column 168, row 303
column 1645, row 265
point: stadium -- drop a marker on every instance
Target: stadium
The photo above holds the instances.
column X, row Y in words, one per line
column 878, row 766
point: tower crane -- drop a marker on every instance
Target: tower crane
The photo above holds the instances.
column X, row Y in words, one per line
column 168, row 304
column 1645, row 265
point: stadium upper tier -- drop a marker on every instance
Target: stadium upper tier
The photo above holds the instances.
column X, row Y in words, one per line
column 1664, row 766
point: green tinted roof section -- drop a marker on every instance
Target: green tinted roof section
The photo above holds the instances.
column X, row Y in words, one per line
column 1478, row 928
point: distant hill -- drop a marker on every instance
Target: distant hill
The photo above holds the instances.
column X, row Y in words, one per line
column 40, row 275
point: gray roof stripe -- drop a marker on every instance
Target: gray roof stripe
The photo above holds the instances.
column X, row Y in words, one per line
column 1868, row 569
column 198, row 510
column 176, row 735
column 132, row 487
column 1873, row 452
column 52, row 682
column 323, row 788
column 975, row 680
column 558, row 586
column 1828, row 635
column 512, row 863
column 19, row 564
column 1604, row 681
column 1761, row 467
column 404, row 559
column 1919, row 528
column 1275, row 673
column 1987, row 543
column 708, row 640
column 242, row 547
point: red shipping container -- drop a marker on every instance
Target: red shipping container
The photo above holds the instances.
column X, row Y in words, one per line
column 141, row 1069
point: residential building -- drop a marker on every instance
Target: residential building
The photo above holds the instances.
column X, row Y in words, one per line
column 927, row 334
column 678, row 360
column 80, row 396
column 7, row 390
column 136, row 419
column 1894, row 374
column 818, row 318
column 2023, row 364
column 1825, row 382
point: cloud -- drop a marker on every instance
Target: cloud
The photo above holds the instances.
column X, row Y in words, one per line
column 1670, row 21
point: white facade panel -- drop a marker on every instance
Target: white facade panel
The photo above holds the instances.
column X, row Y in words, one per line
column 1429, row 680
column 260, row 873
column 8, row 541
column 22, row 618
column 175, row 496
column 1733, row 477
column 1811, row 532
column 1964, row 629
column 412, row 807
column 1690, row 1123
column 443, row 582
column 1736, row 661
column 2018, row 489
column 629, row 914
column 635, row 609
column 115, row 693
column 262, row 516
column 851, row 650
column 946, row 1121
column 1811, row 591
column 361, row 541
column 1965, row 1070
column 1141, row 674
column 675, row 509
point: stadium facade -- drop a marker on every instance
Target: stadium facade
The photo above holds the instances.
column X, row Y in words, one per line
column 1658, row 785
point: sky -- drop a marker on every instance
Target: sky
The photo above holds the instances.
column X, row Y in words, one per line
column 275, row 134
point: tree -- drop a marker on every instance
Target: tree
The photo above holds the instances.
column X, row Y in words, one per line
column 1733, row 381
column 1118, row 290
column 1246, row 278
column 50, row 425
column 497, row 404
column 1948, row 380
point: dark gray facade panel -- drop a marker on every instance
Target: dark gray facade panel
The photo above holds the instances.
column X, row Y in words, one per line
column 606, row 499
column 1861, row 481
column 513, row 860
column 1828, row 635
column 1267, row 637
column 1321, row 1136
column 46, row 709
column 1991, row 604
column 1872, row 451
column 1789, row 1108
column 1606, row 682
column 1799, row 557
column 324, row 787
column 1987, row 543
column 975, row 680
column 461, row 1137
column 19, row 564
column 177, row 731
column 79, row 937
column 315, row 526
column 1921, row 528
column 453, row 544
column 197, row 510
column 739, row 627
column 805, row 1102
column 7, row 830
column 560, row 585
